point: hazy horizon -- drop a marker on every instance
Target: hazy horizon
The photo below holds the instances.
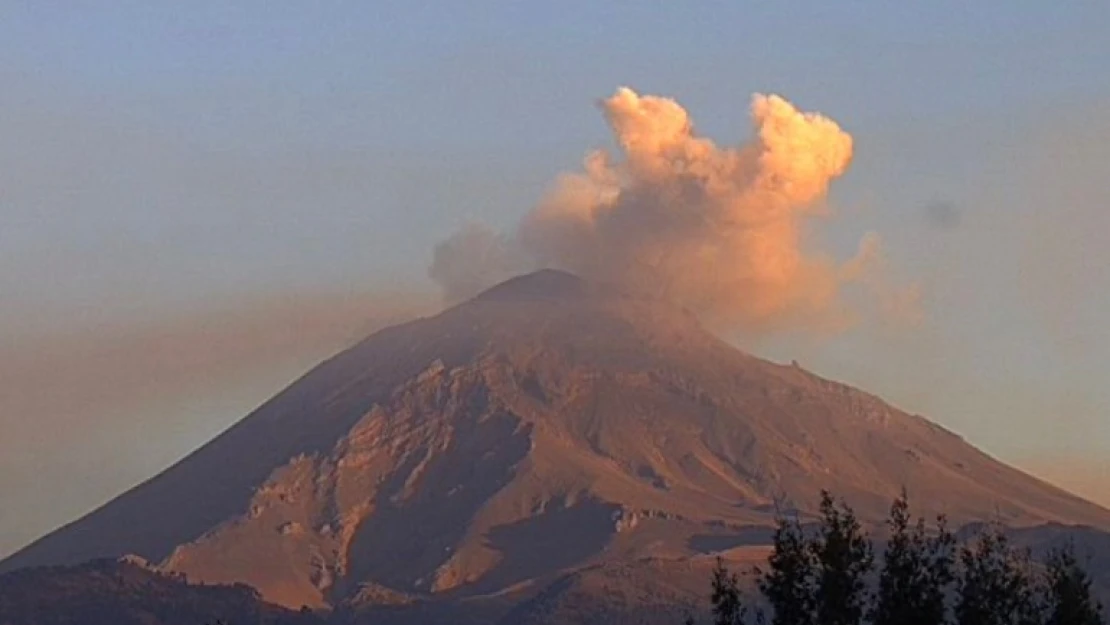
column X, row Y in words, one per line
column 201, row 204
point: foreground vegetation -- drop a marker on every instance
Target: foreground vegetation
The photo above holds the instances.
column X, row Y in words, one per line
column 829, row 575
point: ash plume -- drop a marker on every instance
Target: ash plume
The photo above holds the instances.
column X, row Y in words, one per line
column 721, row 230
column 472, row 260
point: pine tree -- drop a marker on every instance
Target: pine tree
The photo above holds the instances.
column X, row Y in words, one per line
column 788, row 584
column 843, row 557
column 940, row 559
column 1069, row 591
column 996, row 585
column 917, row 571
column 728, row 609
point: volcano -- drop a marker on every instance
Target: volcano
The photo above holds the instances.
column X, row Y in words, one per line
column 536, row 442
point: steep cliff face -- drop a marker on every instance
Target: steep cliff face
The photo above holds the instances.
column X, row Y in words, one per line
column 547, row 426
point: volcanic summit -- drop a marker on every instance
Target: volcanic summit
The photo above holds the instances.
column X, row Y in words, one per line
column 549, row 429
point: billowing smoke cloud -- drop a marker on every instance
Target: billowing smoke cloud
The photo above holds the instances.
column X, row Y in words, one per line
column 720, row 230
column 472, row 260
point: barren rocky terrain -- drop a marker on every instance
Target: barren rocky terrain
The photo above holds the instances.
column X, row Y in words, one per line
column 548, row 450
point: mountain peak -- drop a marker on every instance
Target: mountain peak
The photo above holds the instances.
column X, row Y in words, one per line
column 546, row 426
column 542, row 284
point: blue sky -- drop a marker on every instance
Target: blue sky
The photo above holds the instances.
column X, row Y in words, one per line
column 160, row 163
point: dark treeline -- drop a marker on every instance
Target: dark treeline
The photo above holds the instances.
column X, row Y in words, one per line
column 831, row 575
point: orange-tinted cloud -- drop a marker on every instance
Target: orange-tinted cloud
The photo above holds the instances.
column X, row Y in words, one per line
column 720, row 230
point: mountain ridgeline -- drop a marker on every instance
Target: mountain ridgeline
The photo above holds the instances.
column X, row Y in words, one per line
column 528, row 448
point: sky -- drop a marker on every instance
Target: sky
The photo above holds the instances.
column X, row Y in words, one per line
column 197, row 204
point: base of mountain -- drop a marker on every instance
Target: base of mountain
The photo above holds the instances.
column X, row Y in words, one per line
column 827, row 571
